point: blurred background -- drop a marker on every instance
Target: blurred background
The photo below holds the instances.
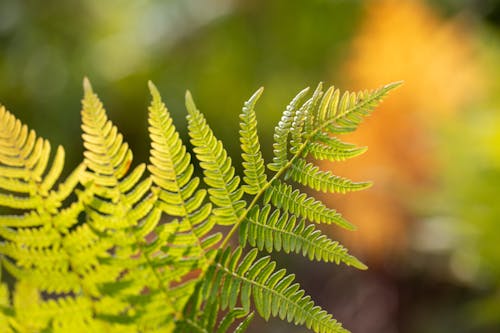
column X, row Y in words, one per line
column 430, row 227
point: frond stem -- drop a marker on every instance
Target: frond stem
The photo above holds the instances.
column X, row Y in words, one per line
column 276, row 176
column 177, row 314
column 193, row 325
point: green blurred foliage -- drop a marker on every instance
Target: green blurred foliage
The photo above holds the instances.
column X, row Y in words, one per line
column 470, row 192
column 222, row 50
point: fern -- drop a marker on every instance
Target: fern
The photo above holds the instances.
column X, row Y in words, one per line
column 123, row 248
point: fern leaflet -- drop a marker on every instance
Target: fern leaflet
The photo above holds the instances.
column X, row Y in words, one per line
column 224, row 188
column 284, row 196
column 275, row 232
column 253, row 163
column 308, row 174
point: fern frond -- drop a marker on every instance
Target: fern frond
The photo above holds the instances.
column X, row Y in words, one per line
column 302, row 120
column 122, row 200
column 344, row 114
column 278, row 232
column 33, row 239
column 321, row 151
column 179, row 196
column 224, row 189
column 24, row 158
column 283, row 196
column 106, row 155
column 272, row 290
column 253, row 163
column 331, row 141
column 308, row 174
column 172, row 172
column 282, row 131
column 22, row 154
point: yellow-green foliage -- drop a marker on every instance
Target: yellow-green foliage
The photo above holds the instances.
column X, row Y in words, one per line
column 116, row 248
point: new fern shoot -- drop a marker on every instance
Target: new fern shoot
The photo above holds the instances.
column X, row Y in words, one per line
column 122, row 248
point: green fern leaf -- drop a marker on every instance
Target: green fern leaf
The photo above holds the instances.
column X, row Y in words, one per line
column 344, row 114
column 122, row 200
column 308, row 174
column 293, row 201
column 321, row 151
column 224, row 189
column 23, row 163
column 284, row 232
column 172, row 172
column 301, row 124
column 282, row 131
column 179, row 195
column 272, row 290
column 253, row 163
column 34, row 240
column 331, row 141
